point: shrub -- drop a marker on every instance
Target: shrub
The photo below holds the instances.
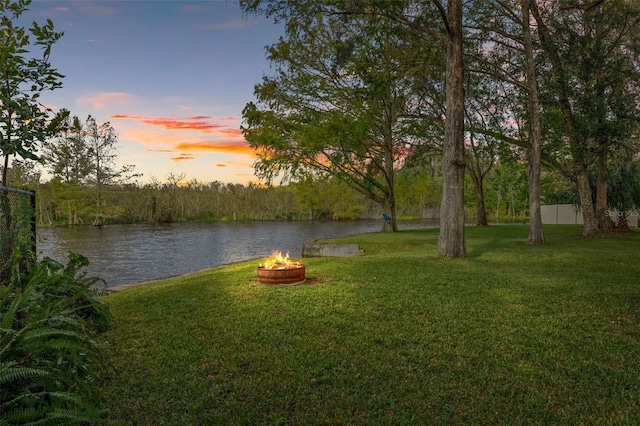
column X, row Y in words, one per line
column 624, row 191
column 48, row 358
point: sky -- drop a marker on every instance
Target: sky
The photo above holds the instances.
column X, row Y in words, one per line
column 171, row 76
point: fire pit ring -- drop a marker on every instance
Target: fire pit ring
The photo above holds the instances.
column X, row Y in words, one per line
column 285, row 276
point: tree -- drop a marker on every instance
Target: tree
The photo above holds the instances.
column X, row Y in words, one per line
column 338, row 104
column 536, row 235
column 417, row 18
column 505, row 51
column 451, row 241
column 593, row 55
column 67, row 155
column 485, row 108
column 24, row 75
column 507, row 186
column 102, row 149
column 443, row 24
column 419, row 191
column 68, row 159
column 326, row 199
column 624, row 196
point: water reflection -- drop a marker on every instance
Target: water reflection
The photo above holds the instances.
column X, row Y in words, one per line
column 132, row 253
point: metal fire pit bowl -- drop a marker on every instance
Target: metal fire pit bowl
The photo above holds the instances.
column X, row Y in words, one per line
column 288, row 276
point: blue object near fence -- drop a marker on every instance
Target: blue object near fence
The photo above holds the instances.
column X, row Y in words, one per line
column 386, row 218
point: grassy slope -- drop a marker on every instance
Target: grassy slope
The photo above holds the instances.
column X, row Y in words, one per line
column 516, row 334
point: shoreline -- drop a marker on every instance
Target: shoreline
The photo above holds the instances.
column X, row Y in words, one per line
column 121, row 287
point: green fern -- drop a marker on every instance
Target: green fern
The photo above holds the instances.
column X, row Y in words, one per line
column 23, row 416
column 47, row 353
column 63, row 338
column 9, row 315
column 9, row 373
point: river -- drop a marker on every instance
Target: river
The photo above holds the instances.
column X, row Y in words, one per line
column 121, row 254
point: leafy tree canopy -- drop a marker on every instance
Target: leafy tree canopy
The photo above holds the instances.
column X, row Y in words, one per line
column 26, row 73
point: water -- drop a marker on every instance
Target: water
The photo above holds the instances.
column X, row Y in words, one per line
column 122, row 254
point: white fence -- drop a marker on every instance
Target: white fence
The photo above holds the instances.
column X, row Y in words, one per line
column 570, row 214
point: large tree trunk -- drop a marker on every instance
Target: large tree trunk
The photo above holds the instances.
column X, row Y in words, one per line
column 389, row 173
column 478, row 190
column 536, row 236
column 390, row 224
column 481, row 211
column 590, row 226
column 389, row 207
column 604, row 221
column 451, row 241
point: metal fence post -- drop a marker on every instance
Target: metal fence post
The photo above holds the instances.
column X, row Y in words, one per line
column 32, row 198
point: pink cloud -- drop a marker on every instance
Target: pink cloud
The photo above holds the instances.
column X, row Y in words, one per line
column 201, row 123
column 169, row 135
column 102, row 100
column 183, row 157
column 125, row 116
column 232, row 147
column 233, row 132
column 193, row 123
column 228, row 119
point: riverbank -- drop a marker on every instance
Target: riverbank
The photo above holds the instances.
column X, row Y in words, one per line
column 127, row 286
column 516, row 334
column 122, row 254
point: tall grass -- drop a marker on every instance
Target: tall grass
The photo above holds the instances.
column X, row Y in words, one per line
column 516, row 334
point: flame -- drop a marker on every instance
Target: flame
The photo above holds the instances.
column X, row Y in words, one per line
column 278, row 261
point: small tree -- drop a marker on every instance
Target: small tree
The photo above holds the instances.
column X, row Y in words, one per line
column 24, row 121
column 67, row 155
column 624, row 192
column 24, row 74
column 340, row 103
column 101, row 142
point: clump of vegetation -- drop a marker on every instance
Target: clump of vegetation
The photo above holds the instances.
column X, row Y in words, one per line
column 624, row 192
column 48, row 355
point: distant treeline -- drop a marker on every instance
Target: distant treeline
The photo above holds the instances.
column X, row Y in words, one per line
column 176, row 200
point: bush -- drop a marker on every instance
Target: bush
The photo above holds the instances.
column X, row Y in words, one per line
column 16, row 248
column 48, row 358
column 624, row 191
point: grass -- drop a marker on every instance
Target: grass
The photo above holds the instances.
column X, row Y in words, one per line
column 516, row 334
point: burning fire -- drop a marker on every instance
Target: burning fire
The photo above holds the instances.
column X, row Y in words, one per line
column 278, row 261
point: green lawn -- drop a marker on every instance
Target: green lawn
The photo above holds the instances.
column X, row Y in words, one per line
column 516, row 334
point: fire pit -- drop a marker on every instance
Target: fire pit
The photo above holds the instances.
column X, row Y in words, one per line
column 279, row 269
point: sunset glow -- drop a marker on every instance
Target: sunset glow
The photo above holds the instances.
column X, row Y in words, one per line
column 239, row 147
column 175, row 105
column 203, row 124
